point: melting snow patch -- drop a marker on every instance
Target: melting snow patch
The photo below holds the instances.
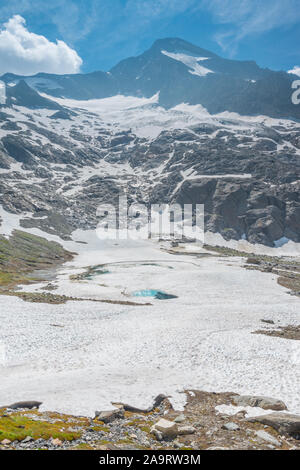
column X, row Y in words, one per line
column 9, row 222
column 251, row 411
column 288, row 248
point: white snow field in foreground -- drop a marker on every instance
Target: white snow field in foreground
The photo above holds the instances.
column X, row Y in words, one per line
column 81, row 356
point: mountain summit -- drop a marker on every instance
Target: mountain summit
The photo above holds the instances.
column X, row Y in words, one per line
column 59, row 161
column 182, row 73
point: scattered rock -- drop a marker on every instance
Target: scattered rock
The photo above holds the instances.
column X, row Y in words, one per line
column 265, row 436
column 285, row 332
column 285, row 423
column 231, row 427
column 159, row 435
column 132, row 409
column 179, row 419
column 56, row 442
column 202, row 427
column 218, row 448
column 28, row 439
column 262, row 402
column 185, row 430
column 25, row 405
column 109, row 416
column 168, row 429
column 5, row 442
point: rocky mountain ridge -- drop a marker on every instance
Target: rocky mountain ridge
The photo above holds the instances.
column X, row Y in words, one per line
column 197, row 76
column 61, row 158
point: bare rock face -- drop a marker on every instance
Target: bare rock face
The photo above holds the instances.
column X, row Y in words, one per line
column 265, row 403
column 285, row 423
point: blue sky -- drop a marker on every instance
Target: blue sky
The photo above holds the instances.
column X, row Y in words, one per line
column 102, row 32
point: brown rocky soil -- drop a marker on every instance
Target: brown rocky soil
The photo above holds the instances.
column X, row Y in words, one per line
column 286, row 332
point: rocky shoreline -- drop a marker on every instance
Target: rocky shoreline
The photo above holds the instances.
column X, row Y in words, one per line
column 209, row 421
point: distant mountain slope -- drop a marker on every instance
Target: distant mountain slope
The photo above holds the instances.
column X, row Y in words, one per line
column 182, row 73
column 62, row 157
column 23, row 95
column 56, row 167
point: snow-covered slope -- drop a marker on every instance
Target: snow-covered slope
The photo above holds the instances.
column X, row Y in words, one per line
column 82, row 356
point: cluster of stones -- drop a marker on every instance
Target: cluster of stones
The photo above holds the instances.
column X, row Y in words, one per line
column 162, row 427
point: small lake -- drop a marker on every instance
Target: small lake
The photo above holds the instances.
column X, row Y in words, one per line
column 157, row 294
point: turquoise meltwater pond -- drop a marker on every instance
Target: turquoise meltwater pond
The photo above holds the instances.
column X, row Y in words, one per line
column 157, row 294
column 146, row 293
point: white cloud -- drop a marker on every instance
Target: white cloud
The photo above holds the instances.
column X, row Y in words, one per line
column 151, row 9
column 295, row 70
column 26, row 53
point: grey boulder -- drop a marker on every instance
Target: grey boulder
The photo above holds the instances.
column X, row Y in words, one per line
column 266, row 403
column 285, row 423
column 109, row 416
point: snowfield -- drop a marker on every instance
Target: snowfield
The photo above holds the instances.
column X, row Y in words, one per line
column 82, row 356
column 191, row 62
column 147, row 118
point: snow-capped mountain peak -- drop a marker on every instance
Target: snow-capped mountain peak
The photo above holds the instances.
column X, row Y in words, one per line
column 226, row 85
column 176, row 123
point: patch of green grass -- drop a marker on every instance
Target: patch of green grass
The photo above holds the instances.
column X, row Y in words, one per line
column 125, row 441
column 101, row 428
column 17, row 426
column 23, row 253
column 134, row 422
column 5, row 278
column 146, row 429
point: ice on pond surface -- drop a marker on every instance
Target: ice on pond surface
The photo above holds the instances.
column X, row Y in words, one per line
column 157, row 294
